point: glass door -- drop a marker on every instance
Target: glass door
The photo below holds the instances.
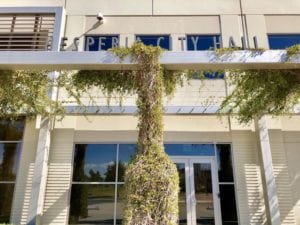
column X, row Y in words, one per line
column 198, row 197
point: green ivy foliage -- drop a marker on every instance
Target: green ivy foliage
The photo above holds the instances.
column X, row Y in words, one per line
column 24, row 92
column 260, row 92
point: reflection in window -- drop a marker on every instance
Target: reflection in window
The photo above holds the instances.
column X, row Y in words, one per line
column 95, row 163
column 97, row 193
column 182, row 204
column 11, row 134
column 95, row 183
column 92, row 204
column 9, row 158
column 126, row 154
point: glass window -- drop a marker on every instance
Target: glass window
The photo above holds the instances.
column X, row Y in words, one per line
column 9, row 160
column 190, row 149
column 95, row 183
column 101, row 42
column 126, row 154
column 11, row 131
column 155, row 40
column 97, row 193
column 95, row 163
column 226, row 184
column 283, row 41
column 224, row 163
column 228, row 205
column 92, row 204
column 202, row 42
column 6, row 197
column 11, row 134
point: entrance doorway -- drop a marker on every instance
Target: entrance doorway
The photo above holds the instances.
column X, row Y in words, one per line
column 199, row 192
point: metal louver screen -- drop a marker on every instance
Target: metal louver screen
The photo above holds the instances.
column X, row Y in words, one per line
column 26, row 32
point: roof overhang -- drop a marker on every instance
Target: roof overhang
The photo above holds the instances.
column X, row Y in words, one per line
column 103, row 60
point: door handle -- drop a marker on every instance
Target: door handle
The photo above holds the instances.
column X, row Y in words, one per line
column 194, row 201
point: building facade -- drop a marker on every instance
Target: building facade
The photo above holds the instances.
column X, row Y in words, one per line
column 72, row 171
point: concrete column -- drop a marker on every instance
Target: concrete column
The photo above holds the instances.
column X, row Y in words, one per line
column 39, row 180
column 271, row 190
column 40, row 174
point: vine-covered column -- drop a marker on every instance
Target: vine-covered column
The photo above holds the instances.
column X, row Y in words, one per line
column 151, row 180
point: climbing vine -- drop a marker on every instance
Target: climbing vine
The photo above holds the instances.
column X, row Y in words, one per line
column 258, row 92
column 151, row 179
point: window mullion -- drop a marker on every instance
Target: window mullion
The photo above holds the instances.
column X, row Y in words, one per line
column 116, row 184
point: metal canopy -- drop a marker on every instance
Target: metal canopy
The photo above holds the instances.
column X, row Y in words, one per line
column 103, row 60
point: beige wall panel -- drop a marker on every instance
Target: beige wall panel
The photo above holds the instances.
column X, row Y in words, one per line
column 24, row 177
column 105, row 136
column 74, row 28
column 106, row 123
column 195, row 7
column 231, row 27
column 59, row 177
column 237, row 126
column 171, row 123
column 196, row 123
column 283, row 24
column 250, row 200
column 291, row 136
column 282, row 177
column 33, row 3
column 291, row 123
column 111, row 7
column 149, row 25
column 292, row 146
column 256, row 26
column 182, row 137
column 131, row 137
column 271, row 7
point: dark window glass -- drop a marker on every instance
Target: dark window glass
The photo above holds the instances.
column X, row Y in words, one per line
column 155, row 40
column 6, row 196
column 121, row 197
column 182, row 204
column 101, row 42
column 95, row 162
column 190, row 149
column 283, row 41
column 203, row 194
column 92, row 204
column 11, row 131
column 228, row 205
column 224, row 163
column 201, row 42
column 9, row 160
column 126, row 154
